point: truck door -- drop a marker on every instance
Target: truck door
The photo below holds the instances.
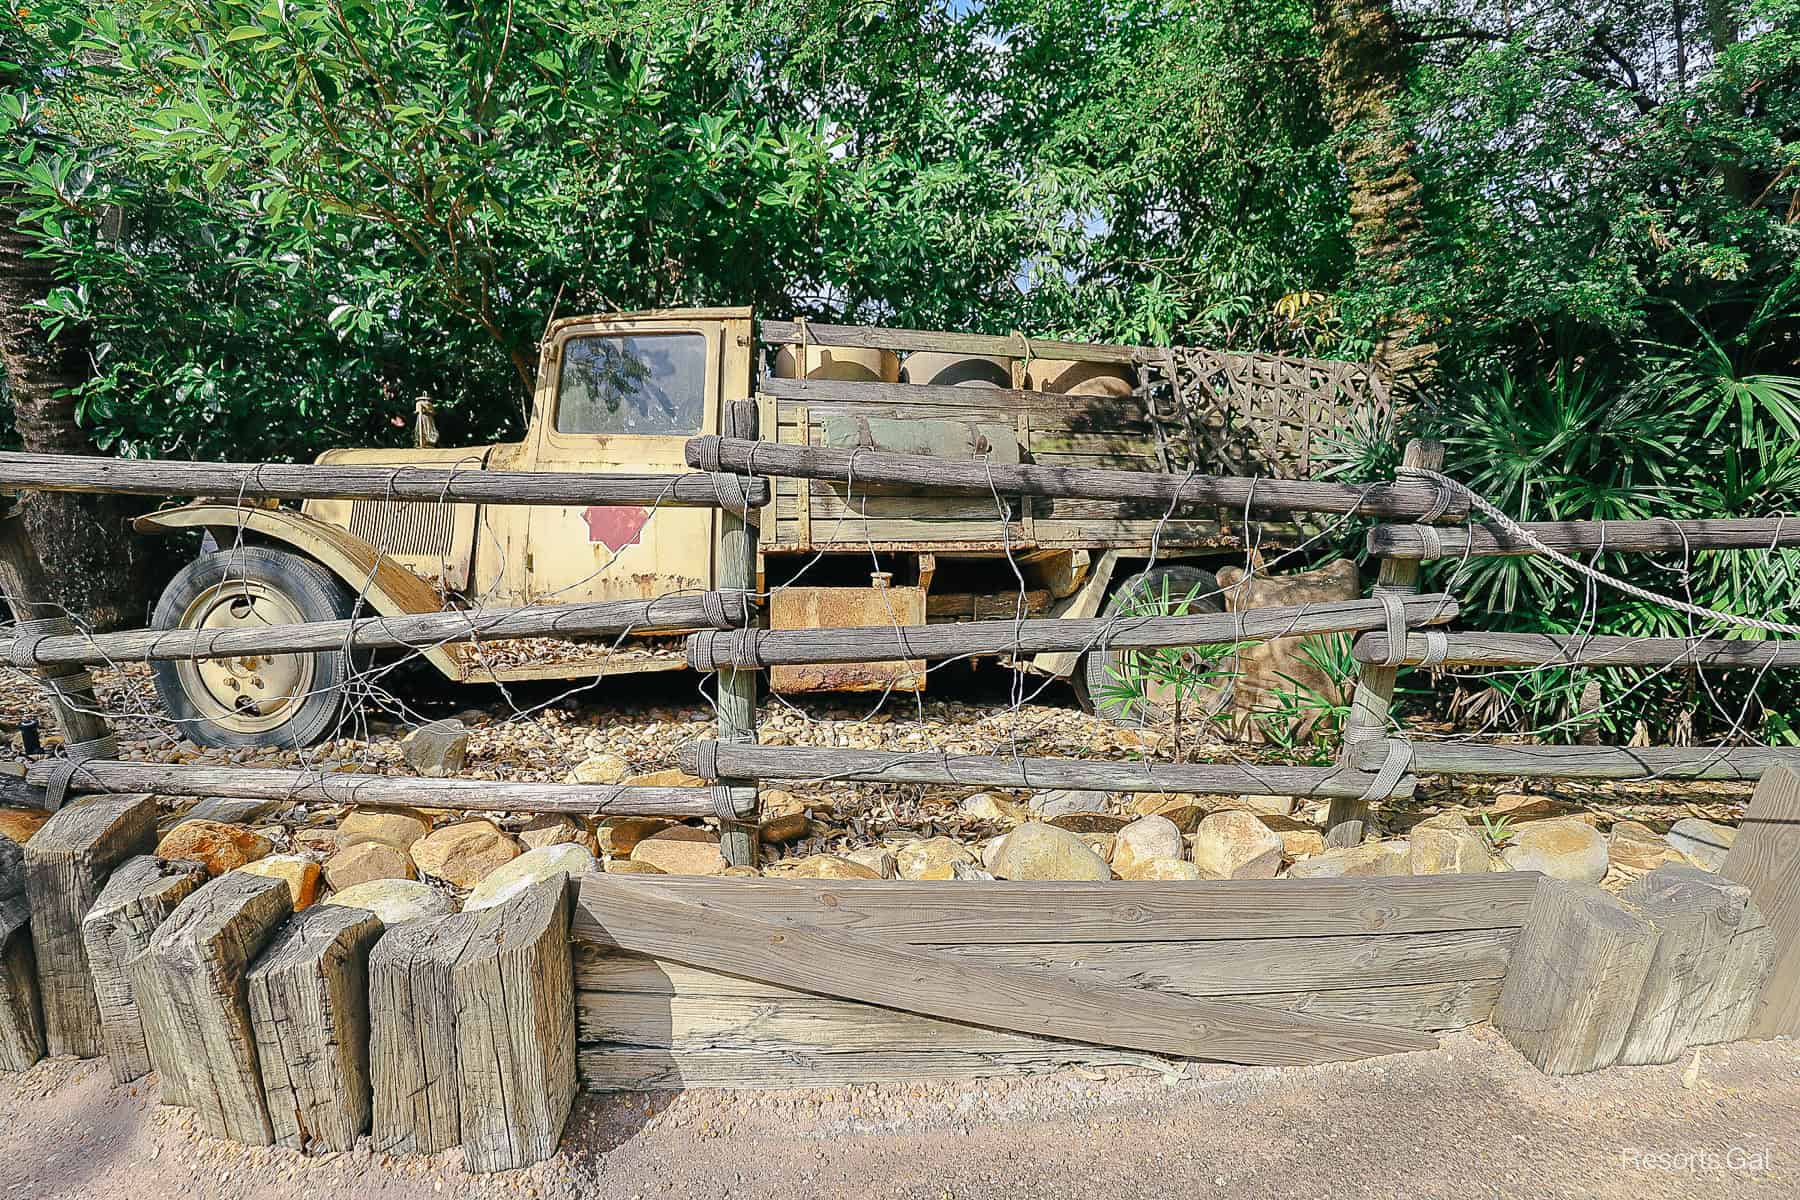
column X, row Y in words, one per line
column 624, row 394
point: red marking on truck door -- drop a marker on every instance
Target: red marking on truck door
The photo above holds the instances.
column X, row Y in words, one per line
column 617, row 526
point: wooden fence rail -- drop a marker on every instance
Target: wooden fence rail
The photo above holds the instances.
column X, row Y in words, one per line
column 315, row 481
column 1479, row 648
column 978, row 770
column 1402, row 498
column 718, row 610
column 708, row 651
column 120, row 777
column 1584, row 762
column 1578, row 537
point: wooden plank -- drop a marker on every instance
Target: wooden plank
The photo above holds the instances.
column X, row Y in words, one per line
column 383, row 791
column 136, row 900
column 66, row 863
column 608, row 1068
column 413, row 1066
column 515, row 1030
column 883, row 971
column 1229, row 967
column 1587, row 762
column 1403, row 497
column 1576, row 976
column 1658, row 536
column 309, row 1010
column 1713, row 954
column 325, row 481
column 928, row 912
column 886, row 766
column 21, row 1012
column 199, row 959
column 708, row 651
column 941, row 341
column 1766, row 859
column 1371, row 705
column 703, row 1022
column 410, row 631
column 1477, row 648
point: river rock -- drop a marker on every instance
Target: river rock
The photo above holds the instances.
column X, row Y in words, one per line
column 1167, row 870
column 365, row 862
column 558, row 829
column 1235, row 845
column 878, row 859
column 1142, row 842
column 600, row 768
column 783, row 817
column 18, row 824
column 437, row 748
column 1637, row 847
column 534, row 866
column 1370, row 858
column 989, row 806
column 216, row 846
column 619, row 835
column 1704, row 842
column 624, row 866
column 681, row 850
column 464, row 853
column 1446, row 850
column 668, row 777
column 299, row 871
column 1186, row 811
column 394, row 900
column 396, row 827
column 1562, row 848
column 1038, row 851
column 915, row 858
column 823, row 866
column 1299, row 843
column 1062, row 802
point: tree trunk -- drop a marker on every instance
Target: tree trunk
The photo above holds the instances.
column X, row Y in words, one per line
column 1363, row 75
column 95, row 565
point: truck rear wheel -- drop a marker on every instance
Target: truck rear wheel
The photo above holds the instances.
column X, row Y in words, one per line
column 1130, row 687
column 288, row 700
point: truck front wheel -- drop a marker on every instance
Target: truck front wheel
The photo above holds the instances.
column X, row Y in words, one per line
column 288, row 700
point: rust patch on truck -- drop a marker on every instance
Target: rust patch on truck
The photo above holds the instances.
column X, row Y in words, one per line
column 840, row 607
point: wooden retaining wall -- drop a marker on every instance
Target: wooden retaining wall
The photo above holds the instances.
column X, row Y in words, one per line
column 1425, row 954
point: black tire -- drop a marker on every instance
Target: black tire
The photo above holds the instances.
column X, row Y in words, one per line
column 243, row 586
column 1099, row 670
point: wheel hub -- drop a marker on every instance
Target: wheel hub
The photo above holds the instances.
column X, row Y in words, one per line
column 251, row 692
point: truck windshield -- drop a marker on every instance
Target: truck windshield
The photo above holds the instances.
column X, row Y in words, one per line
column 633, row 383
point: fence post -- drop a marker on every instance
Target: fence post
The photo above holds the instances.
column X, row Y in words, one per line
column 69, row 689
column 1374, row 698
column 736, row 703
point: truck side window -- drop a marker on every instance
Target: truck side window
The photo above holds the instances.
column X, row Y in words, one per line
column 633, row 383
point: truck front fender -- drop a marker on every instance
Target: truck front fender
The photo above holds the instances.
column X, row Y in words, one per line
column 385, row 586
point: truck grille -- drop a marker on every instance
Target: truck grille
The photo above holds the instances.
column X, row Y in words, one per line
column 405, row 528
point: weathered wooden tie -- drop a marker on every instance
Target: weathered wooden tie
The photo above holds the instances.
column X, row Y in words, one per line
column 1713, row 955
column 309, row 1011
column 136, row 900
column 412, row 1035
column 1662, row 536
column 1766, row 859
column 1583, row 762
column 67, row 863
column 515, row 1029
column 21, row 1014
column 686, row 927
column 1575, row 978
column 191, row 985
column 1476, row 648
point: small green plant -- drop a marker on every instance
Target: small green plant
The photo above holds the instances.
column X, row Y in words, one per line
column 1184, row 683
column 1497, row 830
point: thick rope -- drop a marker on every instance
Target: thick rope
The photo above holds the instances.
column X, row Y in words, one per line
column 76, row 754
column 1393, row 770
column 1513, row 529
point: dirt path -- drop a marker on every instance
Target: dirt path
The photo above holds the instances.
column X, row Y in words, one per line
column 1469, row 1120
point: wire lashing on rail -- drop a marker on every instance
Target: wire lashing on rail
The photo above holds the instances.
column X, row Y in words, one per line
column 75, row 756
column 29, row 634
column 1393, row 769
column 1513, row 529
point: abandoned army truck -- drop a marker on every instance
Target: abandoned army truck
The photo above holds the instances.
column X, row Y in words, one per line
column 625, row 393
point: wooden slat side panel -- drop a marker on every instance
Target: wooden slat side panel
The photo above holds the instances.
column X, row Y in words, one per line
column 963, row 912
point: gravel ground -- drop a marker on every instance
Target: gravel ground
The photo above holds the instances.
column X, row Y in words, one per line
column 1470, row 1119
